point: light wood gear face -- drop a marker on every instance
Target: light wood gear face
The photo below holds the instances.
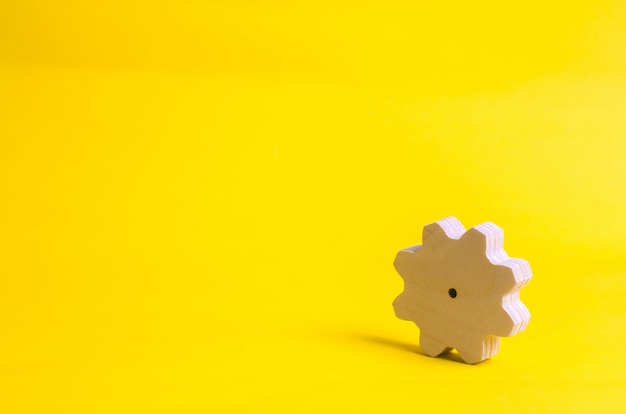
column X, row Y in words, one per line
column 462, row 290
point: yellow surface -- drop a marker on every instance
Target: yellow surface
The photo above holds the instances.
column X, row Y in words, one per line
column 200, row 202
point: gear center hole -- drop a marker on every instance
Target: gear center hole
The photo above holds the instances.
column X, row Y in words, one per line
column 452, row 293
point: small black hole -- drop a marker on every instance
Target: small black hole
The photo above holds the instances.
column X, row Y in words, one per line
column 452, row 293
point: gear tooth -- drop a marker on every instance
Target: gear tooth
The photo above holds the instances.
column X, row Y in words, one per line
column 449, row 228
column 505, row 278
column 517, row 315
column 475, row 241
column 513, row 274
column 473, row 353
column 404, row 260
column 520, row 269
column 489, row 239
column 522, row 316
column 402, row 307
column 431, row 346
column 489, row 234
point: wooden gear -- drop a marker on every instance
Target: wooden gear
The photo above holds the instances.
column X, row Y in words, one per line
column 462, row 290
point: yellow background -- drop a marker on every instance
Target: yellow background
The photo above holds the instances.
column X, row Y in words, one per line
column 200, row 202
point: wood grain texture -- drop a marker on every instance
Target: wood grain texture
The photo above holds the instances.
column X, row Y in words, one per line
column 462, row 290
